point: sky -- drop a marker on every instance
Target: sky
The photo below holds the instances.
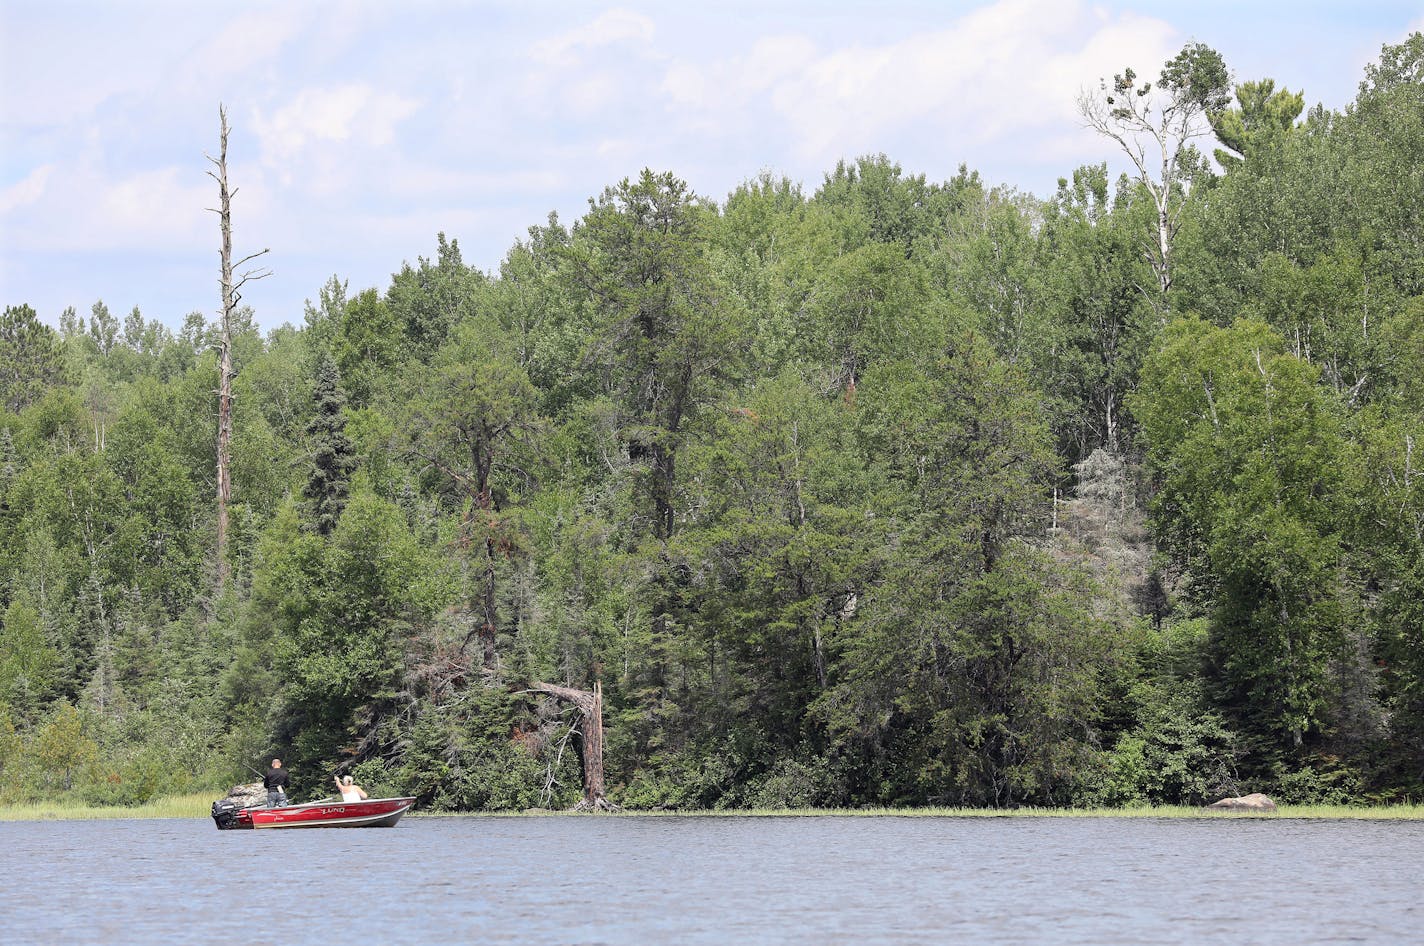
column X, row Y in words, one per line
column 360, row 130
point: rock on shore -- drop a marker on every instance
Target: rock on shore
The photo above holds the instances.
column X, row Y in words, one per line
column 252, row 793
column 1253, row 802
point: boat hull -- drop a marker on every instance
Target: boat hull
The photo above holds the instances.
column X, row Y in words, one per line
column 372, row 813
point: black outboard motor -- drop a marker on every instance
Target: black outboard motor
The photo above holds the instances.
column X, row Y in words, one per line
column 225, row 815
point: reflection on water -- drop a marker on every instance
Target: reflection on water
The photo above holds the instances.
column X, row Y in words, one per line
column 713, row 880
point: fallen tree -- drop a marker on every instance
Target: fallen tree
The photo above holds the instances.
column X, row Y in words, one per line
column 590, row 728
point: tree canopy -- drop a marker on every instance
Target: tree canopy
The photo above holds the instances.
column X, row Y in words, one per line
column 886, row 492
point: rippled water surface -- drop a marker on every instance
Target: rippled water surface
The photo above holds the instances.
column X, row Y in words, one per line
column 714, row 880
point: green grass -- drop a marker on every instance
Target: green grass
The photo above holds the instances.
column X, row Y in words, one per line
column 199, row 805
column 195, row 805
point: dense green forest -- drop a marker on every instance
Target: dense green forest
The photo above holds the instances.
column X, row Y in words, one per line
column 894, row 493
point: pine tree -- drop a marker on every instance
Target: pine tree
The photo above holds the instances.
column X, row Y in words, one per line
column 333, row 457
column 30, row 361
column 1265, row 114
column 9, row 462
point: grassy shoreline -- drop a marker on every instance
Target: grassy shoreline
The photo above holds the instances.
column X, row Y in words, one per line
column 198, row 805
column 1318, row 812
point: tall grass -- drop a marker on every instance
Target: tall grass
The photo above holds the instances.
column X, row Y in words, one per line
column 196, row 805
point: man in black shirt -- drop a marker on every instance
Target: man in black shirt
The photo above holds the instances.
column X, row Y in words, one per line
column 275, row 781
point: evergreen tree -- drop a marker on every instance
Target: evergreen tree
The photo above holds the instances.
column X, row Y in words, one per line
column 786, row 476
column 332, row 455
column 30, row 361
column 1263, row 115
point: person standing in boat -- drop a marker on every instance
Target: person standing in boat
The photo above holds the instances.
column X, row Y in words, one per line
column 275, row 781
column 349, row 790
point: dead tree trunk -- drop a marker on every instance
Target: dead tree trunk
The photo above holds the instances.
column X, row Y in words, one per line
column 224, row 354
column 231, row 296
column 590, row 726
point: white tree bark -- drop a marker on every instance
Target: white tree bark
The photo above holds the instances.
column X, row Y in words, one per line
column 1155, row 130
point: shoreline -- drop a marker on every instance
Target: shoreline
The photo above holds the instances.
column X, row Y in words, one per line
column 190, row 805
column 198, row 805
column 1409, row 812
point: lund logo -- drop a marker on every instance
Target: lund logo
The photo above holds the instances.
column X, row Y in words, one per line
column 328, row 811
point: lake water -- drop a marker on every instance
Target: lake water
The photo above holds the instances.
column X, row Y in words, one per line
column 716, row 880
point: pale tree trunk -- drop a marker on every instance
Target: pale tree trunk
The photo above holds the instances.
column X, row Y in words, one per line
column 590, row 707
column 224, row 357
column 1163, row 263
column 230, row 298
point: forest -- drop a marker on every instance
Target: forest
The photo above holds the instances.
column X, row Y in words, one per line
column 897, row 492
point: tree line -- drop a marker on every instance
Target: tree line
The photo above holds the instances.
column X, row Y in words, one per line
column 896, row 492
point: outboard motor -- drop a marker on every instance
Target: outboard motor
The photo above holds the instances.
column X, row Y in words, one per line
column 225, row 814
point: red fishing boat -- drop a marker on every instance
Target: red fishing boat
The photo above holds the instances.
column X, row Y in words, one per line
column 370, row 813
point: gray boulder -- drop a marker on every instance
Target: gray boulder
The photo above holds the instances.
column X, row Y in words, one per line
column 249, row 794
column 1253, row 802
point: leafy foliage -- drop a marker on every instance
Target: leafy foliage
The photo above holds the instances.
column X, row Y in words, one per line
column 894, row 492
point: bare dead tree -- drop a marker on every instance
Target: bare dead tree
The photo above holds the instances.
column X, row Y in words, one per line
column 231, row 296
column 590, row 706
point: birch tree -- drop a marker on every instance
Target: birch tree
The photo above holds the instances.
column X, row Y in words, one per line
column 1155, row 126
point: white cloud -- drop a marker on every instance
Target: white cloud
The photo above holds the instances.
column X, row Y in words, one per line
column 162, row 206
column 243, row 43
column 611, row 27
column 608, row 67
column 67, row 61
column 435, row 181
column 70, row 208
column 1004, row 68
column 26, row 191
column 772, row 59
column 354, row 113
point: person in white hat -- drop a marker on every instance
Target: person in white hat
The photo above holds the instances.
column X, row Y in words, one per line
column 349, row 790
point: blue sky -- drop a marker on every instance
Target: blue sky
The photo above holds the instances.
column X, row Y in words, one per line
column 363, row 129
